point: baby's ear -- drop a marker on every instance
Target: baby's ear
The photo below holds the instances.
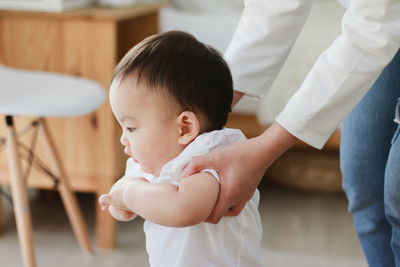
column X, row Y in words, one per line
column 189, row 127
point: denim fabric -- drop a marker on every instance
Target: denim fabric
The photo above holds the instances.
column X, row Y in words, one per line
column 370, row 165
column 397, row 115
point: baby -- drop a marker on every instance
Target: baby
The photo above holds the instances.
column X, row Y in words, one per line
column 171, row 95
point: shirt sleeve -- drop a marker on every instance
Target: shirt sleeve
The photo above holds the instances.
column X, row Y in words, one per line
column 342, row 74
column 213, row 173
column 262, row 41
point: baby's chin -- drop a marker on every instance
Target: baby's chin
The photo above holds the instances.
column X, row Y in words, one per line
column 154, row 170
column 151, row 170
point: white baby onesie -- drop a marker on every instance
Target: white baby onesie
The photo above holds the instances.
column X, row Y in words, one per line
column 234, row 241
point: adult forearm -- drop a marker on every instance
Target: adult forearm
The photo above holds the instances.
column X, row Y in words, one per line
column 275, row 141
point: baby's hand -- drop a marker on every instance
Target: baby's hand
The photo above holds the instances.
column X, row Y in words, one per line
column 119, row 213
column 123, row 215
column 113, row 201
column 105, row 201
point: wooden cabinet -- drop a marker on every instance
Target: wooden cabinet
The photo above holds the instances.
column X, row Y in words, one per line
column 89, row 43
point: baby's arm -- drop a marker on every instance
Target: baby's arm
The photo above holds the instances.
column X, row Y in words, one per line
column 113, row 201
column 165, row 204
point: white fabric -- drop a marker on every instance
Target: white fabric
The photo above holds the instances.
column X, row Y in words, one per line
column 341, row 75
column 322, row 22
column 208, row 6
column 214, row 173
column 234, row 241
column 36, row 93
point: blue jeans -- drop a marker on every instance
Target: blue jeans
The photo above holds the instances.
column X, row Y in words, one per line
column 370, row 165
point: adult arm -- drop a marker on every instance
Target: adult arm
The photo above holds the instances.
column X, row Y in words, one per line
column 339, row 79
column 341, row 75
column 262, row 41
column 344, row 73
column 265, row 34
column 166, row 204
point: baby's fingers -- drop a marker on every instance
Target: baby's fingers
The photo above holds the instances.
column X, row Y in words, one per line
column 105, row 201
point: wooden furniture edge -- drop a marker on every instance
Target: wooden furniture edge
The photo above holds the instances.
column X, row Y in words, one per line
column 92, row 12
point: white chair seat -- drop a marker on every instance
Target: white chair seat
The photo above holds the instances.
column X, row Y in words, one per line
column 45, row 94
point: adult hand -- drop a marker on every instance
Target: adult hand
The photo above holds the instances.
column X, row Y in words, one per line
column 241, row 166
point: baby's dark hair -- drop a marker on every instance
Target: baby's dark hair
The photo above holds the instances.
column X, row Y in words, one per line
column 192, row 73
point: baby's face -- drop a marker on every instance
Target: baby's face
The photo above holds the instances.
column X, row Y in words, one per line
column 150, row 130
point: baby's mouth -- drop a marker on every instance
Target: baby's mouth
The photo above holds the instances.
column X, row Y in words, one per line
column 128, row 152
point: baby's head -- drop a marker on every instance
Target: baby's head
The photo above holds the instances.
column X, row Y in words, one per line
column 166, row 91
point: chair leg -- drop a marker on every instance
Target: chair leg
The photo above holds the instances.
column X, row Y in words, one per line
column 1, row 214
column 20, row 197
column 68, row 197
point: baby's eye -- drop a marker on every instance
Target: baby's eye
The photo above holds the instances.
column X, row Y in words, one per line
column 130, row 129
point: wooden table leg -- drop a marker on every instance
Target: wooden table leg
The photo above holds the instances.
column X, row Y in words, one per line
column 105, row 226
column 20, row 197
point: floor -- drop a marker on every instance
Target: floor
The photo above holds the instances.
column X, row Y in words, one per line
column 300, row 229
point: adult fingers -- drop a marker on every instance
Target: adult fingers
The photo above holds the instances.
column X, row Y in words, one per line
column 219, row 211
column 235, row 211
column 195, row 165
